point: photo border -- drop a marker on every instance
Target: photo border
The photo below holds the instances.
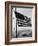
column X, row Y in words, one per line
column 7, row 22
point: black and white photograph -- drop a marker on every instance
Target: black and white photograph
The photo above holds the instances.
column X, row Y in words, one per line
column 21, row 22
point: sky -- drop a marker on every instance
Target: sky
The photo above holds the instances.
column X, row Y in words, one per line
column 25, row 11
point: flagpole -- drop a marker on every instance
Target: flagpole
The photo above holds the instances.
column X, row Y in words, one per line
column 16, row 24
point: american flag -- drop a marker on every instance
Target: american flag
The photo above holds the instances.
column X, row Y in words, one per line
column 22, row 20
